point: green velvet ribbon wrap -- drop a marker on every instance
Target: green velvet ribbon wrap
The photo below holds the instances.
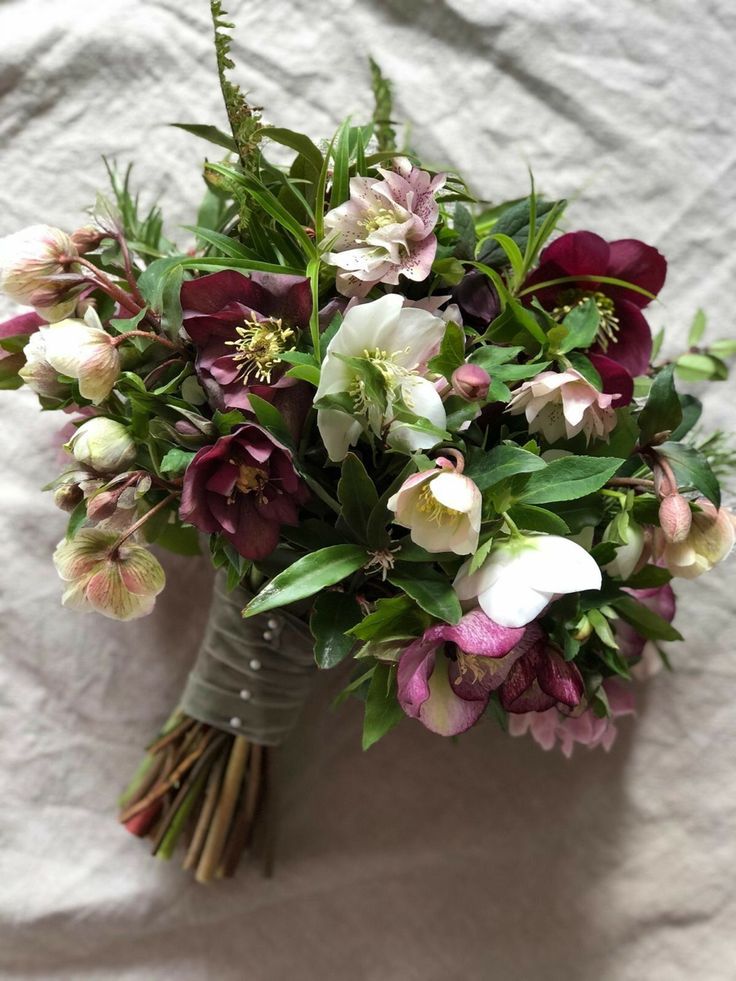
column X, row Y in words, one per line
column 251, row 677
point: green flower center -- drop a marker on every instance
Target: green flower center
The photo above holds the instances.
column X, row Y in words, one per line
column 379, row 219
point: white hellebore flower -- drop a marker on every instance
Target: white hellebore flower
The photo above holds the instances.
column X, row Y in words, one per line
column 29, row 263
column 441, row 508
column 37, row 373
column 561, row 404
column 523, row 575
column 397, row 341
column 83, row 349
column 103, row 444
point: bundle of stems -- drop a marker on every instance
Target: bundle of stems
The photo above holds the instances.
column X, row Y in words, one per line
column 204, row 788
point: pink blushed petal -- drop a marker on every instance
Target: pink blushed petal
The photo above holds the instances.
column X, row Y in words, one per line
column 444, row 712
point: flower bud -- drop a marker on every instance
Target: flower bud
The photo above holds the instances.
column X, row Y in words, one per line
column 625, row 531
column 30, row 261
column 37, row 373
column 710, row 539
column 103, row 504
column 120, row 581
column 471, row 382
column 87, row 239
column 675, row 518
column 82, row 349
column 103, row 444
column 67, row 496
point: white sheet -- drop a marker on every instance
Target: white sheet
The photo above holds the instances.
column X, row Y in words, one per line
column 420, row 859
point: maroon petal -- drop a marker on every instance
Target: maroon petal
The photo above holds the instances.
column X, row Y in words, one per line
column 578, row 254
column 637, row 263
column 632, row 347
column 560, row 678
column 209, row 294
column 254, row 538
column 226, row 512
column 286, row 297
column 616, row 379
column 223, row 479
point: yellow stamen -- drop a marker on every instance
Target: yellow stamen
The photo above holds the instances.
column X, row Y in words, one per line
column 258, row 348
column 432, row 508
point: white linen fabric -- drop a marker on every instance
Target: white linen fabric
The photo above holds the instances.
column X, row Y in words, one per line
column 420, row 859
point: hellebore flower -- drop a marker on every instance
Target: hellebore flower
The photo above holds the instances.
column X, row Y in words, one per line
column 441, row 508
column 587, row 729
column 624, row 335
column 709, row 540
column 521, row 576
column 477, row 299
column 243, row 487
column 445, row 677
column 37, row 373
column 659, row 599
column 241, row 325
column 541, row 678
column 30, row 264
column 395, row 341
column 120, row 582
column 102, row 444
column 385, row 228
column 83, row 349
column 675, row 518
column 562, row 404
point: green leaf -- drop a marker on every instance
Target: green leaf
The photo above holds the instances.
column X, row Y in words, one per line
column 692, row 409
column 271, row 419
column 580, row 362
column 507, row 460
column 341, row 169
column 569, row 478
column 296, row 141
column 305, row 372
column 210, row 133
column 333, row 614
column 452, row 352
column 691, row 469
column 9, row 367
column 515, row 318
column 176, row 461
column 397, row 618
column 663, row 411
column 700, row 367
column 697, row 328
column 308, row 576
column 648, row 623
column 581, row 324
column 160, row 285
column 179, row 539
column 648, row 577
column 431, row 590
column 464, row 225
column 529, row 517
column 357, row 495
column 513, row 222
column 383, row 108
column 724, row 348
column 382, row 710
column 227, row 245
column 76, row 519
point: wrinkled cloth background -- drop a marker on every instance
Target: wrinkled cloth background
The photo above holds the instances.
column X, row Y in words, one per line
column 422, row 859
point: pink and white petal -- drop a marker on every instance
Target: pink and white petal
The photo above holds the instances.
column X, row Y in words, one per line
column 444, row 712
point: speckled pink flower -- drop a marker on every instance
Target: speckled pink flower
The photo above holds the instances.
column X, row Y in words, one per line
column 562, row 404
column 385, row 228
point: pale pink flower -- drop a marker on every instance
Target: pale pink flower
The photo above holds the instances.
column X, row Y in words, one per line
column 562, row 404
column 385, row 228
column 441, row 508
column 83, row 349
column 120, row 582
column 30, row 267
column 587, row 729
column 709, row 540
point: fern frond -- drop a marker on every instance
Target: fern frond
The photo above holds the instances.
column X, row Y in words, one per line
column 383, row 108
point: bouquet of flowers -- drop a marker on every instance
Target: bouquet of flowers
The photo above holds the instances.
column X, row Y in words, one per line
column 419, row 434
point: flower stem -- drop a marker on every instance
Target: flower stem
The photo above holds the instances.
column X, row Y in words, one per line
column 141, row 521
column 145, row 333
column 639, row 482
column 512, row 526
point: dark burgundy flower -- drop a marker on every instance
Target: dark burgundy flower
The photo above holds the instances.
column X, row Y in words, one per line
column 624, row 337
column 243, row 487
column 239, row 325
column 477, row 299
column 540, row 679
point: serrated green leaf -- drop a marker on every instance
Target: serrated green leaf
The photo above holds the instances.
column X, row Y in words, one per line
column 176, row 460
